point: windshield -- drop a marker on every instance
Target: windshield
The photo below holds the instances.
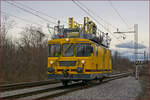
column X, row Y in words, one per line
column 83, row 50
column 68, row 50
column 54, row 50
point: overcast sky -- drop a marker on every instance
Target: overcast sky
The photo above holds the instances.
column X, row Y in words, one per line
column 132, row 12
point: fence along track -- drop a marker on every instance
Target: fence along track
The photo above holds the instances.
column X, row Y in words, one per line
column 51, row 92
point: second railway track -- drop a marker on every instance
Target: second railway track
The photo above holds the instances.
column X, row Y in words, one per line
column 25, row 85
column 49, row 90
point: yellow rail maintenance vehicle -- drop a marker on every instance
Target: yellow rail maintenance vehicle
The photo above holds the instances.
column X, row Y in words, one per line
column 78, row 54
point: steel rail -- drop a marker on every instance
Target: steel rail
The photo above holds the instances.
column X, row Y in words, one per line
column 81, row 86
column 54, row 91
column 25, row 85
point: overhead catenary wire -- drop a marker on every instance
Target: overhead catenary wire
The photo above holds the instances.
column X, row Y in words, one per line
column 25, row 20
column 95, row 19
column 100, row 17
column 37, row 11
column 89, row 14
column 30, row 12
column 53, row 22
column 96, row 15
column 123, row 20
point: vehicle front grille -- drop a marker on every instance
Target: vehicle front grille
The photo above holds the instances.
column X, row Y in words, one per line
column 67, row 63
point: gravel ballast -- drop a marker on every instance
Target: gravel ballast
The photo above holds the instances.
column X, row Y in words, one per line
column 124, row 88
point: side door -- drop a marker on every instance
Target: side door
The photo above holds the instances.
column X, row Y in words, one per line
column 100, row 58
column 104, row 59
column 97, row 58
column 94, row 58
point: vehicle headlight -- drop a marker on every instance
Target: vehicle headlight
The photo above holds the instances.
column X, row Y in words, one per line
column 51, row 69
column 51, row 62
column 83, row 61
column 79, row 69
column 67, row 39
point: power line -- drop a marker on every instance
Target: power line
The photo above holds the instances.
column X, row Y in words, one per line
column 25, row 20
column 118, row 14
column 96, row 15
column 94, row 19
column 89, row 14
column 30, row 12
column 37, row 11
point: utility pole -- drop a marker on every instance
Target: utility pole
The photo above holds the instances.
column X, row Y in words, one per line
column 135, row 31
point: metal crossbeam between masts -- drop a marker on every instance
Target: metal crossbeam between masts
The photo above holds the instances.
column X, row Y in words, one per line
column 135, row 31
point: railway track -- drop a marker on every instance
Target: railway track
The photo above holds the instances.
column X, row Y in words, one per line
column 47, row 89
column 25, row 85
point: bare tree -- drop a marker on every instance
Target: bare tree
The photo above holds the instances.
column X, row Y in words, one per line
column 34, row 49
column 26, row 59
column 7, row 46
column 120, row 63
column 6, row 25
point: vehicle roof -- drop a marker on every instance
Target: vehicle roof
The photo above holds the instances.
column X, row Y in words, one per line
column 71, row 40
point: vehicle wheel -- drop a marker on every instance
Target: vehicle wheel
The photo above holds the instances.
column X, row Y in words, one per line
column 101, row 79
column 85, row 82
column 65, row 83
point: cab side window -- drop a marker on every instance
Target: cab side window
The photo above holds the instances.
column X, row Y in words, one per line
column 96, row 51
